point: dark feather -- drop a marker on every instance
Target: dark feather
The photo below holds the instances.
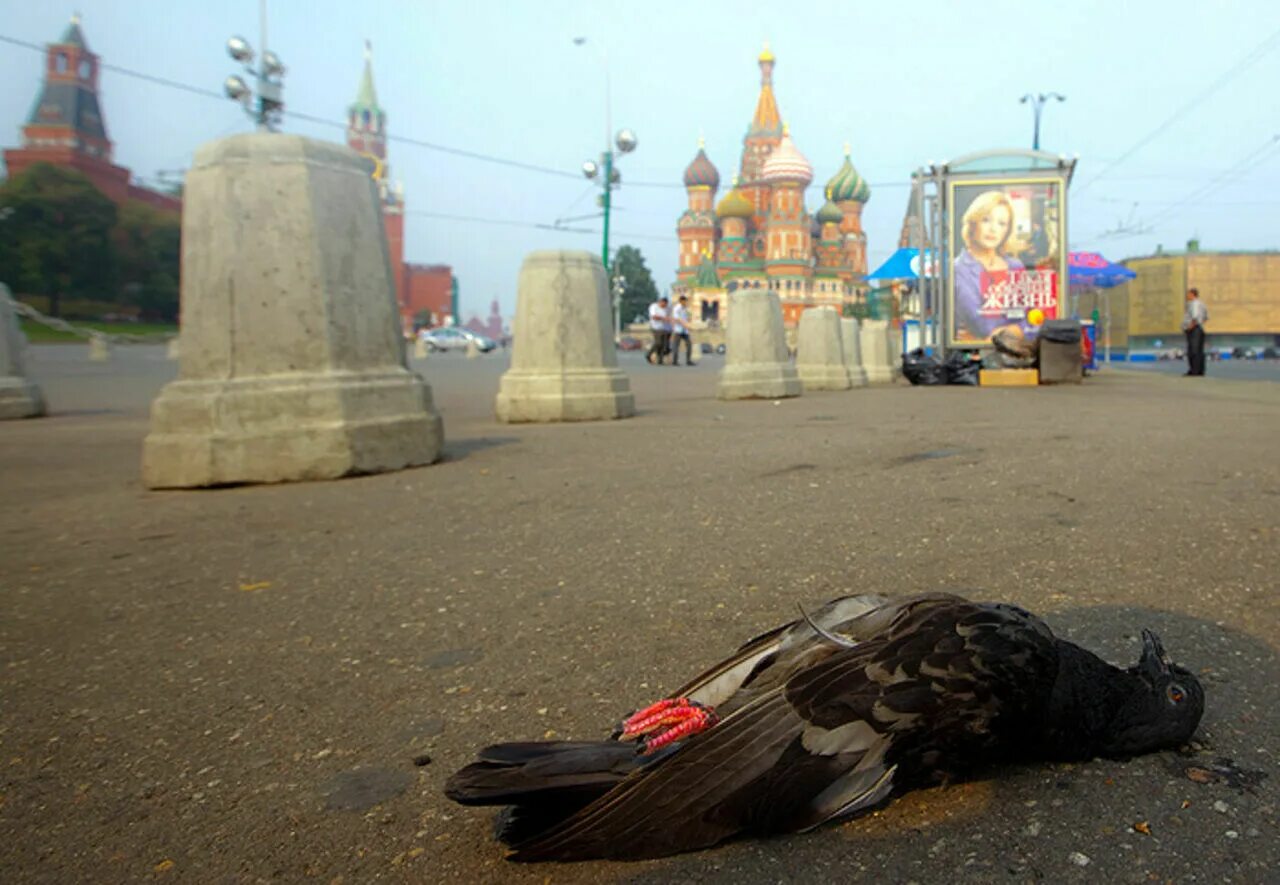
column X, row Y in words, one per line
column 823, row 719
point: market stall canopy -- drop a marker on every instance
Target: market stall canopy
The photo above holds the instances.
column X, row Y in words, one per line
column 1093, row 270
column 903, row 265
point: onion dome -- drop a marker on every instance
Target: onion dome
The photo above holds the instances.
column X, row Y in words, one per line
column 786, row 163
column 847, row 184
column 735, row 204
column 830, row 213
column 701, row 172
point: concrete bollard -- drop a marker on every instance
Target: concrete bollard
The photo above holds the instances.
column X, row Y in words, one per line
column 564, row 364
column 756, row 363
column 99, row 349
column 820, row 361
column 473, row 349
column 174, row 350
column 874, row 338
column 292, row 365
column 19, row 397
column 895, row 351
column 850, row 337
column 419, row 349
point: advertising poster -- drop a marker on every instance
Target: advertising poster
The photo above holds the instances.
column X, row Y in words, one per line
column 1008, row 251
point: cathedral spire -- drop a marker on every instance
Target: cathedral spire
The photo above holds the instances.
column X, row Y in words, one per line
column 766, row 121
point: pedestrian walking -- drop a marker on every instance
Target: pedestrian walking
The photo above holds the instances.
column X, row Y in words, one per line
column 1193, row 324
column 660, row 327
column 680, row 332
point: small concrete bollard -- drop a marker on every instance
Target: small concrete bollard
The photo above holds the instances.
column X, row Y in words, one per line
column 820, row 361
column 473, row 349
column 564, row 364
column 99, row 349
column 874, row 337
column 895, row 351
column 850, row 337
column 174, row 350
column 419, row 348
column 756, row 362
column 19, row 397
column 293, row 364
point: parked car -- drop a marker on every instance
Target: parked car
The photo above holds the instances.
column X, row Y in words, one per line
column 453, row 338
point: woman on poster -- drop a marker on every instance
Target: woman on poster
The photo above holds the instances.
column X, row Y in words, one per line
column 986, row 227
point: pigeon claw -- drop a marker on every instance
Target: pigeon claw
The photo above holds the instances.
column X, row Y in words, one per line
column 666, row 722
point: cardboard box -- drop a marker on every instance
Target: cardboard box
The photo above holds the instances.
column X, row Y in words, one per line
column 1008, row 378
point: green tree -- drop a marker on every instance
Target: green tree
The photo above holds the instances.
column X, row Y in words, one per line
column 148, row 245
column 57, row 228
column 640, row 290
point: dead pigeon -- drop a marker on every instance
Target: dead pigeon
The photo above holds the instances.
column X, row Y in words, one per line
column 825, row 717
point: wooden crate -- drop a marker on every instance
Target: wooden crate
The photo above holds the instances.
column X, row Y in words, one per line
column 1008, row 378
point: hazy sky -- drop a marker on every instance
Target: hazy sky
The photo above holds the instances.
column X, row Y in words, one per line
column 1182, row 94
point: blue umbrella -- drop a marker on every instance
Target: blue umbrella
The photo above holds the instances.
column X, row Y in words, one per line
column 901, row 265
column 1091, row 269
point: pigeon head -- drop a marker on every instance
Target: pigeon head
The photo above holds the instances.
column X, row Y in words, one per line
column 1163, row 709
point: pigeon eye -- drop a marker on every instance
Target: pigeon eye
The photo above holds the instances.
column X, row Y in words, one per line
column 1176, row 694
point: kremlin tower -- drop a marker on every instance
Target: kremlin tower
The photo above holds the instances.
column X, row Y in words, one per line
column 67, row 128
column 760, row 234
column 367, row 136
column 424, row 293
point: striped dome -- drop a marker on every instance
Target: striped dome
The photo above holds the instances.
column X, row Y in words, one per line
column 830, row 213
column 786, row 163
column 701, row 173
column 847, row 184
column 735, row 204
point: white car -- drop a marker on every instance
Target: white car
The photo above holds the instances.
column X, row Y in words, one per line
column 453, row 338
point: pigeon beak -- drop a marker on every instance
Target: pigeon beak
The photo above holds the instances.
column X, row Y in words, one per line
column 1154, row 662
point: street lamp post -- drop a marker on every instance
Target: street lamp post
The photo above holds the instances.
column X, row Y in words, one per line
column 604, row 171
column 268, row 76
column 1037, row 103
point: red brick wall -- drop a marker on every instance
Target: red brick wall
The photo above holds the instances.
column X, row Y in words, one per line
column 426, row 287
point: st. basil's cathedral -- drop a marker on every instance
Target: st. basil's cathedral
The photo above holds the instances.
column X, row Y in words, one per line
column 759, row 235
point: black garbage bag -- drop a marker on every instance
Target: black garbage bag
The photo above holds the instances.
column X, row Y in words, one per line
column 963, row 367
column 919, row 367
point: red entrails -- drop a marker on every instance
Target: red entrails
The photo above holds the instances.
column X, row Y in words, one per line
column 667, row 721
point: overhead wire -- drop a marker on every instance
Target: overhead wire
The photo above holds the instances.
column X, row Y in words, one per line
column 1256, row 54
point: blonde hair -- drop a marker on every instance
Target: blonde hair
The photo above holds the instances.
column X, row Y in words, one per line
column 980, row 208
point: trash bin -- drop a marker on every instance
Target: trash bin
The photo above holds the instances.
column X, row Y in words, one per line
column 1061, row 353
column 1089, row 344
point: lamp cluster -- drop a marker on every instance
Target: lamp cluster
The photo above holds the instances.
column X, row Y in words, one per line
column 270, row 84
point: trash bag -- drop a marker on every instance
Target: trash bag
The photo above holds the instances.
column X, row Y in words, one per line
column 962, row 367
column 919, row 367
column 1015, row 349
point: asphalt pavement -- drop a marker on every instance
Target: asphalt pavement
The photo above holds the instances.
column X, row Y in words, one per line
column 271, row 683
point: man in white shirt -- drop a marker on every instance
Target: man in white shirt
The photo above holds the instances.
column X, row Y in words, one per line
column 660, row 326
column 1193, row 324
column 680, row 332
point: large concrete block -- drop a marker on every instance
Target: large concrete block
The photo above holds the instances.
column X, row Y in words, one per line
column 756, row 361
column 820, row 359
column 874, row 337
column 19, row 397
column 564, row 364
column 851, row 338
column 292, row 365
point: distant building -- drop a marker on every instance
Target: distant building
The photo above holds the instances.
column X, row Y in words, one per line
column 66, row 127
column 760, row 235
column 491, row 327
column 1241, row 291
column 421, row 289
